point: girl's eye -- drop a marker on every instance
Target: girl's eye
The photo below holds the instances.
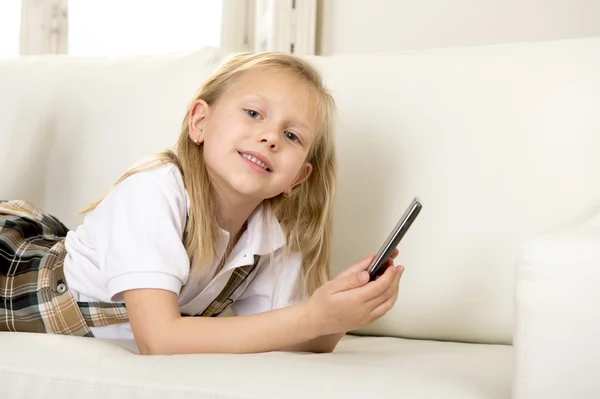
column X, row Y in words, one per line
column 291, row 136
column 252, row 113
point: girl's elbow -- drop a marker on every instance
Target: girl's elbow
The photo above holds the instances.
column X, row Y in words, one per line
column 154, row 344
column 320, row 348
column 149, row 349
column 324, row 349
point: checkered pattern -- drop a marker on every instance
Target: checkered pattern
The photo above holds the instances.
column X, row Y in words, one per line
column 223, row 300
column 33, row 292
column 34, row 296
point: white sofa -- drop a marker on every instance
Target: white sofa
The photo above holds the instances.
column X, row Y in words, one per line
column 500, row 297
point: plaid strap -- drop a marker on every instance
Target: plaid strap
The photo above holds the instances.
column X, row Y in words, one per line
column 98, row 314
column 223, row 300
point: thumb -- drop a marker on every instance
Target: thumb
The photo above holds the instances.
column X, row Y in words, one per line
column 349, row 282
column 357, row 267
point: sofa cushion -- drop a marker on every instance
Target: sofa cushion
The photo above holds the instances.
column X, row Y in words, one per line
column 43, row 366
column 501, row 143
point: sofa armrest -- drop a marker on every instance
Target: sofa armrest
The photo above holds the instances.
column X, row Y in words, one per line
column 557, row 316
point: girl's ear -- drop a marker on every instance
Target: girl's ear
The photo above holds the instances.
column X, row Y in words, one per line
column 305, row 171
column 197, row 120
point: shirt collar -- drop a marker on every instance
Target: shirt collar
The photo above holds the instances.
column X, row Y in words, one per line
column 263, row 235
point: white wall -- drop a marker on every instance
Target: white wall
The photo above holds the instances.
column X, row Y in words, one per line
column 372, row 26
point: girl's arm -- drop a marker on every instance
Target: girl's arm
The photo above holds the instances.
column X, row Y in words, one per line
column 159, row 328
column 322, row 344
column 337, row 306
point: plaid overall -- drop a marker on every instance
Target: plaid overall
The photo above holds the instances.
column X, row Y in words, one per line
column 34, row 296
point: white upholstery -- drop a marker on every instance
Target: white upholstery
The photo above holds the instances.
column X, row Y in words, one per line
column 501, row 143
column 557, row 350
column 361, row 368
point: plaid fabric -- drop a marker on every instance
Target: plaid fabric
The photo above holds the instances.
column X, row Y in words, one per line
column 34, row 296
column 223, row 300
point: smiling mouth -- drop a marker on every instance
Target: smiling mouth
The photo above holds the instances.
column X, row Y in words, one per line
column 256, row 161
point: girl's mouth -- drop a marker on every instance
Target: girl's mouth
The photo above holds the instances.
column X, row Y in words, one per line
column 254, row 160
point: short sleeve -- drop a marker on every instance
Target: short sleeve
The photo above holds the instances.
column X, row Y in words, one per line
column 139, row 234
column 274, row 286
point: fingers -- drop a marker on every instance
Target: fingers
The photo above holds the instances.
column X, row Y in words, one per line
column 348, row 282
column 384, row 303
column 384, row 307
column 390, row 261
column 365, row 263
column 378, row 287
column 362, row 265
column 390, row 291
column 357, row 267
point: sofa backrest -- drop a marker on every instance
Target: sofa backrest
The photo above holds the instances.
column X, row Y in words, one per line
column 500, row 143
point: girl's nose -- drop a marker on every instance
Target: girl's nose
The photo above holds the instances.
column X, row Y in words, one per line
column 271, row 139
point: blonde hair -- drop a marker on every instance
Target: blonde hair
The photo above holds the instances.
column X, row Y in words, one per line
column 306, row 216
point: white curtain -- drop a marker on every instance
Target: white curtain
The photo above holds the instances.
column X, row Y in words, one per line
column 43, row 27
column 284, row 25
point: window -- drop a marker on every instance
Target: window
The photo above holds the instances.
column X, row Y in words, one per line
column 10, row 26
column 130, row 27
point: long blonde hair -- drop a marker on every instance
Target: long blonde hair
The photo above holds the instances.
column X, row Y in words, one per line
column 306, row 216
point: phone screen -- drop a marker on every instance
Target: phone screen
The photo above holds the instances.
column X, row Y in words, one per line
column 395, row 236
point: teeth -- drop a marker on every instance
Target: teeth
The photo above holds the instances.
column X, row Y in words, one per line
column 256, row 161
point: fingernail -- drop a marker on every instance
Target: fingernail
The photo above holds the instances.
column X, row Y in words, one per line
column 400, row 268
column 363, row 276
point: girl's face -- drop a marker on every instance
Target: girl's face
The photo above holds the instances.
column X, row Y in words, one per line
column 257, row 135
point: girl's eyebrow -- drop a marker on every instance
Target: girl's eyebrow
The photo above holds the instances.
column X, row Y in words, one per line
column 254, row 96
column 304, row 126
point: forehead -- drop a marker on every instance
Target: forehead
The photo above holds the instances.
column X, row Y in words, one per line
column 268, row 78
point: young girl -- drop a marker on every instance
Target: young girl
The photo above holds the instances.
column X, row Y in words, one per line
column 239, row 215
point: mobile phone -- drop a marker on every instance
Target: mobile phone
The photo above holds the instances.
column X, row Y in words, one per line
column 394, row 238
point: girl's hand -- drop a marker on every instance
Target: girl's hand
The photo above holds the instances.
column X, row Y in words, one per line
column 360, row 266
column 350, row 301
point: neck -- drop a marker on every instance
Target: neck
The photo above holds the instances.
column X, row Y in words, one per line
column 233, row 212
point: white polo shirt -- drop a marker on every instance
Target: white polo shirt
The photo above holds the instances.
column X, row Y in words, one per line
column 133, row 239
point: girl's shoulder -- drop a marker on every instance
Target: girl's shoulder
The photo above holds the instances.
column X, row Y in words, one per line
column 136, row 234
column 167, row 173
column 166, row 176
column 149, row 190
